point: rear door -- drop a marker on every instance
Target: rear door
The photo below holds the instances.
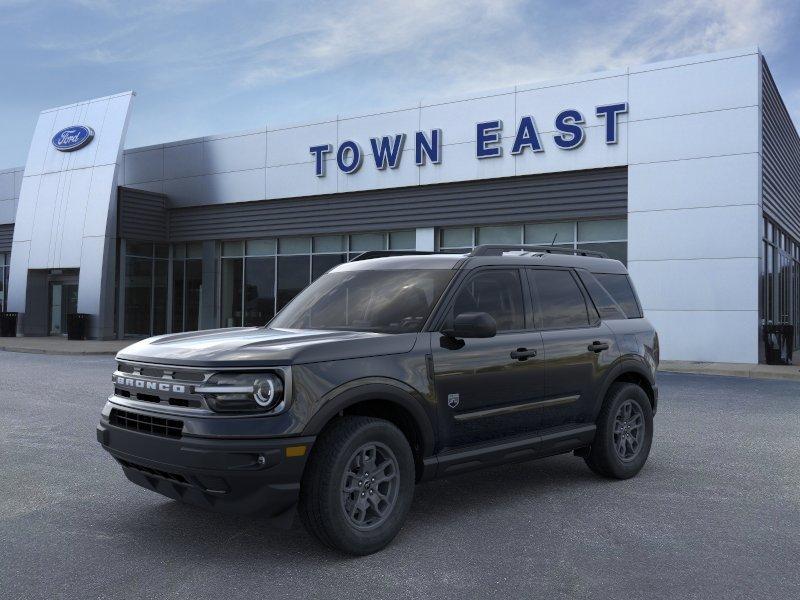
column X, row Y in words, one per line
column 486, row 387
column 578, row 347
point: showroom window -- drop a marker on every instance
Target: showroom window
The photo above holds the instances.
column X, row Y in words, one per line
column 609, row 236
column 146, row 282
column 259, row 277
column 780, row 280
column 187, row 286
column 5, row 260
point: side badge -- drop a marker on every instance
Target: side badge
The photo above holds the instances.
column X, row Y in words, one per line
column 453, row 400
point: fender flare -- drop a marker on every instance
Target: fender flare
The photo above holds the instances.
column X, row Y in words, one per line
column 389, row 390
column 625, row 365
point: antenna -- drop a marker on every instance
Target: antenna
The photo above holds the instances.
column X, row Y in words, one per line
column 553, row 243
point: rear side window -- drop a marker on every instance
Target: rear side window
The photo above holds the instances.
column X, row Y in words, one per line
column 606, row 305
column 621, row 290
column 560, row 301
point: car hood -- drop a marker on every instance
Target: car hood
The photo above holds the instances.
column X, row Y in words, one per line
column 260, row 346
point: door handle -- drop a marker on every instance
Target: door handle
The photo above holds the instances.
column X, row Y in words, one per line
column 522, row 353
column 597, row 346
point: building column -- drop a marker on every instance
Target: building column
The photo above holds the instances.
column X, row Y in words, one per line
column 208, row 294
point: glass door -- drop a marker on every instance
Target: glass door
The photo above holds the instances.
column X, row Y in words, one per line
column 63, row 297
column 57, row 321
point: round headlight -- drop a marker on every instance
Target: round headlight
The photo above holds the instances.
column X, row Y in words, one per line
column 242, row 392
column 268, row 391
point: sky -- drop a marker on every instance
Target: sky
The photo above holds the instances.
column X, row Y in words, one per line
column 203, row 67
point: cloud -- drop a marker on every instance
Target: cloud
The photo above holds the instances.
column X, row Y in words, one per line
column 463, row 46
column 334, row 39
column 675, row 28
column 454, row 43
column 313, row 59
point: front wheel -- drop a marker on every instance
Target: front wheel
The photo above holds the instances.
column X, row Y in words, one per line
column 358, row 485
column 624, row 433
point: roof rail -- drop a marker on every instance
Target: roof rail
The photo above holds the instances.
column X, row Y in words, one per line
column 384, row 253
column 498, row 249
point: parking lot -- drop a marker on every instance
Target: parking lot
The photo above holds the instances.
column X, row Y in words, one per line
column 714, row 514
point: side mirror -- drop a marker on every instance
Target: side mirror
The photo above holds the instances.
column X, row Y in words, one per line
column 472, row 325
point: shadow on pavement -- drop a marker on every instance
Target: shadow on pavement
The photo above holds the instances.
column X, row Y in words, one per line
column 174, row 527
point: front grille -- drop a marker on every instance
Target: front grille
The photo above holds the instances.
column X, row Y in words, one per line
column 171, row 428
column 148, row 398
column 149, row 471
column 159, row 385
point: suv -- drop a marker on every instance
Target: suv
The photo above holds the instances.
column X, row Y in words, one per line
column 388, row 371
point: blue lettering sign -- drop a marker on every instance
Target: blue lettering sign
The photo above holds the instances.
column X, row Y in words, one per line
column 349, row 157
column 527, row 137
column 387, row 152
column 432, row 149
column 488, row 132
column 610, row 112
column 569, row 122
column 319, row 153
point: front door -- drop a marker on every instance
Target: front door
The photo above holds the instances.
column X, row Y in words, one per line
column 486, row 387
column 63, row 298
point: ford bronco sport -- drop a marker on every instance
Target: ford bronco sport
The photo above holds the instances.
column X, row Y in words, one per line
column 387, row 371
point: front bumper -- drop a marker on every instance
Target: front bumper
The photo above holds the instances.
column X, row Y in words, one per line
column 242, row 476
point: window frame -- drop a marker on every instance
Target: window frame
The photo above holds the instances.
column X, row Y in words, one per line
column 575, row 243
column 152, row 257
column 347, row 252
column 439, row 315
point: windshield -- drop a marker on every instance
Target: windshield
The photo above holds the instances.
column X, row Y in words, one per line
column 390, row 301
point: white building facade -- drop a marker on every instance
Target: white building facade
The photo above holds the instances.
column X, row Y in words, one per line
column 688, row 171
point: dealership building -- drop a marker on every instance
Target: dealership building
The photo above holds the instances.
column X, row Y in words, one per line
column 687, row 170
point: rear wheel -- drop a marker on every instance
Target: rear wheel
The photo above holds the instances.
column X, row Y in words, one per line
column 358, row 485
column 624, row 433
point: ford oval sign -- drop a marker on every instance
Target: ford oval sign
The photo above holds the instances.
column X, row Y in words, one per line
column 72, row 138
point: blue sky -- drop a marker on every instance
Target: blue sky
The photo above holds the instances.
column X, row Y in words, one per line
column 201, row 67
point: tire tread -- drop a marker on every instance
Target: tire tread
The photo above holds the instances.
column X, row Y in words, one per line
column 315, row 488
column 600, row 460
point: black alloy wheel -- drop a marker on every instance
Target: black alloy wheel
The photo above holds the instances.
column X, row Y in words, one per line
column 624, row 432
column 358, row 484
column 370, row 485
column 628, row 430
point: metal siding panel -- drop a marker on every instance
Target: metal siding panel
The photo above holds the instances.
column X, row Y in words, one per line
column 142, row 215
column 780, row 159
column 6, row 237
column 594, row 193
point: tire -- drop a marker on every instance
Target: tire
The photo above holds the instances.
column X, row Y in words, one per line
column 343, row 507
column 620, row 457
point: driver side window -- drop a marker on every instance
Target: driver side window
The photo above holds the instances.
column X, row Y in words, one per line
column 497, row 292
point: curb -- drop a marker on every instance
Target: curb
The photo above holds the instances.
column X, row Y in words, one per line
column 59, row 352
column 743, row 373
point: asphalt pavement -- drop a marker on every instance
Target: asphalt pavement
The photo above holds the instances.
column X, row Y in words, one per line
column 714, row 514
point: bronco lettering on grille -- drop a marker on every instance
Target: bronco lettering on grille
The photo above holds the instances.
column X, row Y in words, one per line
column 143, row 384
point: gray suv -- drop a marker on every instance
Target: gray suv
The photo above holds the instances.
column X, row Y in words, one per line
column 387, row 371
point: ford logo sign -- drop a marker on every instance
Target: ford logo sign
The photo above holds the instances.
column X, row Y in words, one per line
column 72, row 138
